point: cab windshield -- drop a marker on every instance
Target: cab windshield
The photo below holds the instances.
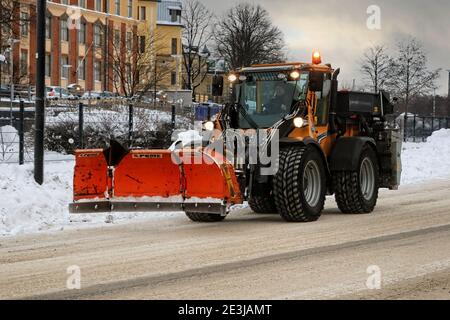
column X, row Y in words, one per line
column 268, row 97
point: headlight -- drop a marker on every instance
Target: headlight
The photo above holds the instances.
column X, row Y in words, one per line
column 295, row 75
column 209, row 126
column 299, row 122
column 232, row 77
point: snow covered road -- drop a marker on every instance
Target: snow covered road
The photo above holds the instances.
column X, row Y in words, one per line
column 247, row 256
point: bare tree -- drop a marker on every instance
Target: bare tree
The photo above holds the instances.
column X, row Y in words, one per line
column 197, row 21
column 246, row 36
column 11, row 20
column 375, row 67
column 136, row 68
column 410, row 76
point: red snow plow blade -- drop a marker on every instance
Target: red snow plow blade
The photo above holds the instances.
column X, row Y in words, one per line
column 153, row 180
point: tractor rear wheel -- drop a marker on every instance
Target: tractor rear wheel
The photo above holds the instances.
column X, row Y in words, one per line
column 300, row 184
column 356, row 192
column 262, row 205
column 204, row 217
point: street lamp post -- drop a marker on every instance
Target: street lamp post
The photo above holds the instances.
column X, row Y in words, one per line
column 65, row 66
column 2, row 61
column 177, row 58
column 12, row 42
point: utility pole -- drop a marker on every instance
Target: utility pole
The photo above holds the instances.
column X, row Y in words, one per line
column 12, row 42
column 434, row 103
column 448, row 96
column 448, row 84
column 40, row 90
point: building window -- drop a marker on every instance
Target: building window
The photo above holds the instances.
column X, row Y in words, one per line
column 24, row 17
column 98, row 5
column 117, row 39
column 64, row 66
column 82, row 33
column 97, row 35
column 24, row 62
column 82, row 3
column 98, row 71
column 175, row 15
column 48, row 27
column 129, row 40
column 66, row 2
column 142, row 44
column 81, row 69
column 117, row 5
column 130, row 8
column 142, row 14
column 173, row 78
column 48, row 65
column 174, row 46
column 64, row 30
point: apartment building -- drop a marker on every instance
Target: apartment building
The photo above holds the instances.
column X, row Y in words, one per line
column 81, row 36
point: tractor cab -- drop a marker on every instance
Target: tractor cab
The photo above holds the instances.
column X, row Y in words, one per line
column 264, row 95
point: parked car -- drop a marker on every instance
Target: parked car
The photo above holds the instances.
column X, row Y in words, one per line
column 55, row 93
column 75, row 89
column 4, row 91
column 89, row 95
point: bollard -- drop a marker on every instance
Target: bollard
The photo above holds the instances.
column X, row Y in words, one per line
column 130, row 124
column 21, row 132
column 80, row 124
column 173, row 117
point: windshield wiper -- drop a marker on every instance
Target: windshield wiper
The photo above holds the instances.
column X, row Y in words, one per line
column 246, row 116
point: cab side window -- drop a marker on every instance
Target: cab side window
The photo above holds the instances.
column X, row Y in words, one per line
column 323, row 103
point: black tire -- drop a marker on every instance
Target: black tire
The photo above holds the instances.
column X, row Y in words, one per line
column 204, row 217
column 263, row 205
column 349, row 189
column 289, row 185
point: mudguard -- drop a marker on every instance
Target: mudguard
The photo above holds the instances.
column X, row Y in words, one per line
column 347, row 151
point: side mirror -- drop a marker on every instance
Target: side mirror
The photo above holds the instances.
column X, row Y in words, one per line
column 316, row 81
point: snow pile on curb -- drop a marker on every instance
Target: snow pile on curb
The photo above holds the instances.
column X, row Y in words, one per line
column 9, row 141
column 27, row 207
column 427, row 161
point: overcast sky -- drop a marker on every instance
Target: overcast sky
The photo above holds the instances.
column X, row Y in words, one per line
column 338, row 28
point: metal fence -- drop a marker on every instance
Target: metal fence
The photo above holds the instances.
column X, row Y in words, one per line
column 419, row 128
column 71, row 125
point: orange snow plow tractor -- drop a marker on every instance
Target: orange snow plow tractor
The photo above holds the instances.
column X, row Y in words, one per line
column 320, row 141
column 115, row 179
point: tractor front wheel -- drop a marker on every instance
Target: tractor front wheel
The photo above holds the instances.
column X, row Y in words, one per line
column 300, row 184
column 262, row 205
column 204, row 217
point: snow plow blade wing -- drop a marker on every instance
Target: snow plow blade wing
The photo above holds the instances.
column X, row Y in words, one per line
column 154, row 180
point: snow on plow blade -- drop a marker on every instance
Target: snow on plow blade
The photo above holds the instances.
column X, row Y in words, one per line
column 153, row 180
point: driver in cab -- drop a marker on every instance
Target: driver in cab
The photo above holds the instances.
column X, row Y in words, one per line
column 281, row 101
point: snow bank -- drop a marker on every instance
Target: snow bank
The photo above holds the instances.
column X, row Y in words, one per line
column 427, row 161
column 26, row 207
